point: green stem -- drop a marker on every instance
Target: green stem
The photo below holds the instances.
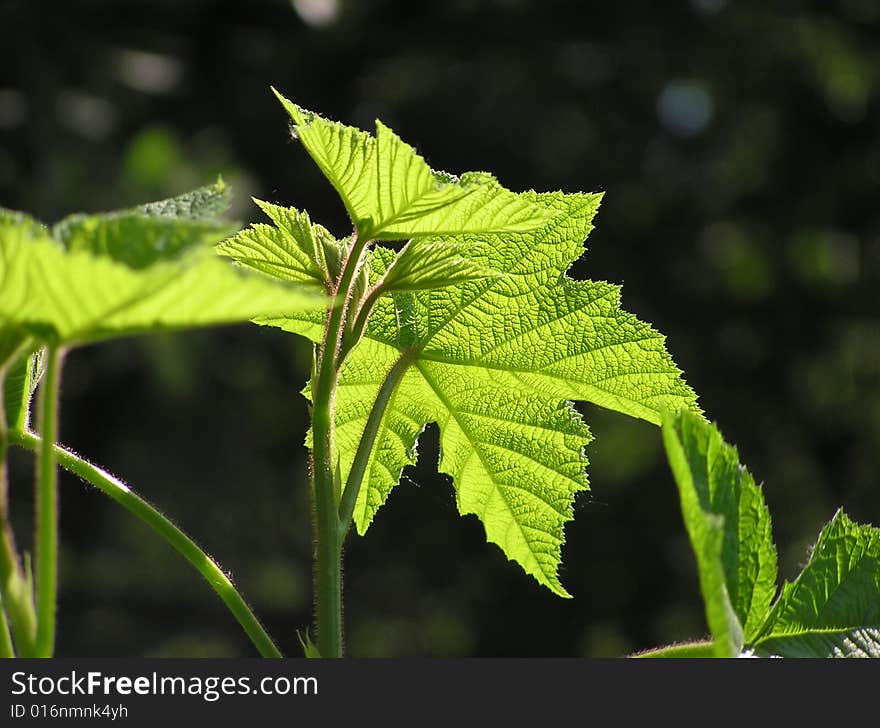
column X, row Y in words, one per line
column 6, row 649
column 368, row 440
column 183, row 544
column 681, row 650
column 46, row 537
column 363, row 317
column 328, row 547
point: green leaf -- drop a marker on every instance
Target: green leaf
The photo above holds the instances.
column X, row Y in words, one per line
column 152, row 232
column 391, row 193
column 204, row 203
column 426, row 263
column 309, row 648
column 729, row 529
column 26, row 225
column 294, row 249
column 832, row 609
column 81, row 295
column 494, row 363
column 19, row 371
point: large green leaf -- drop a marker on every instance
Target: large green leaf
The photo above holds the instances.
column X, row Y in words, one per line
column 391, row 193
column 729, row 529
column 494, row 363
column 832, row 609
column 93, row 291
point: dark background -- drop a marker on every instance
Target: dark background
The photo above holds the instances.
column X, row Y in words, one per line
column 738, row 143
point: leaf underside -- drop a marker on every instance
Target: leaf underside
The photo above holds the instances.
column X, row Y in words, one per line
column 498, row 348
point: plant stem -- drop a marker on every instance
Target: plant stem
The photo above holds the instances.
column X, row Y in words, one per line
column 701, row 649
column 328, row 547
column 46, row 538
column 363, row 317
column 16, row 595
column 368, row 440
column 160, row 524
column 6, row 649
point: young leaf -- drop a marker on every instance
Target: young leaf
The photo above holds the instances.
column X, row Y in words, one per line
column 493, row 362
column 391, row 193
column 309, row 648
column 426, row 263
column 19, row 381
column 77, row 296
column 832, row 609
column 294, row 249
column 729, row 529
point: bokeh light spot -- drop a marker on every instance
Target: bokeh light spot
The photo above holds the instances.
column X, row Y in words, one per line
column 685, row 107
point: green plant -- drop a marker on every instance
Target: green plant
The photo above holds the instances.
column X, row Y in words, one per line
column 473, row 323
column 832, row 608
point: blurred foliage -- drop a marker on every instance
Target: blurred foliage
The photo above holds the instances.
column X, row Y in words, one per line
column 739, row 147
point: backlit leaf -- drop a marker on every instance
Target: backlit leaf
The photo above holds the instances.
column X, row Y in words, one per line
column 497, row 349
column 391, row 193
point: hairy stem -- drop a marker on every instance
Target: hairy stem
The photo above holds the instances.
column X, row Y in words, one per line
column 46, row 537
column 363, row 317
column 682, row 650
column 14, row 588
column 160, row 524
column 328, row 547
column 368, row 440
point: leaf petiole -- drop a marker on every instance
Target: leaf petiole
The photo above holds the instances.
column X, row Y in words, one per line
column 368, row 441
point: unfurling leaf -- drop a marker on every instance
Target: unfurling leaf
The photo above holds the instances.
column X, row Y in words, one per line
column 20, row 380
column 294, row 249
column 426, row 263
